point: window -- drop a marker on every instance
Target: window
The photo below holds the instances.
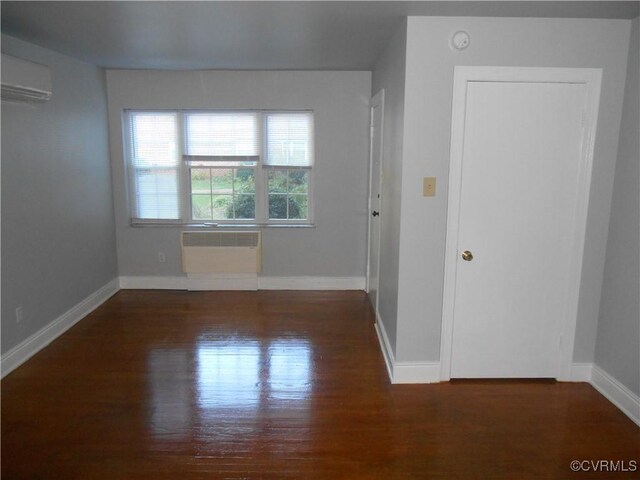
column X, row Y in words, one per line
column 289, row 157
column 156, row 165
column 222, row 152
column 220, row 167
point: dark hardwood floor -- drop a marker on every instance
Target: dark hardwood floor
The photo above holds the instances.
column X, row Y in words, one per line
column 261, row 385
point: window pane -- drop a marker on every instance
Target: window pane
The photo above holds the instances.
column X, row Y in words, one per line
column 222, row 207
column 157, row 194
column 289, row 139
column 201, row 207
column 222, row 180
column 277, row 206
column 277, row 181
column 154, row 139
column 222, row 134
column 244, row 206
column 244, row 181
column 200, row 180
column 288, row 194
column 298, row 207
column 159, row 207
column 298, row 181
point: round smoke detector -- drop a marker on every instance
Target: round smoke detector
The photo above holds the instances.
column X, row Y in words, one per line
column 460, row 40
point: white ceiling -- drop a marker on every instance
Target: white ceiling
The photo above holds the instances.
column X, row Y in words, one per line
column 322, row 35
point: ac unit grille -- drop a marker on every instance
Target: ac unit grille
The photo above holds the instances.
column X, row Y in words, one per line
column 220, row 239
column 10, row 92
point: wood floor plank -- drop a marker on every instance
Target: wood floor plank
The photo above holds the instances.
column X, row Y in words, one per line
column 261, row 385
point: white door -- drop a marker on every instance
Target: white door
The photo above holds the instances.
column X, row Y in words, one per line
column 375, row 198
column 521, row 164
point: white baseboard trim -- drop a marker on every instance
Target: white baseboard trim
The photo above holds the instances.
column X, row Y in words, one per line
column 206, row 282
column 385, row 346
column 405, row 372
column 195, row 283
column 36, row 342
column 229, row 282
column 311, row 283
column 581, row 372
column 154, row 283
column 614, row 391
column 416, row 372
column 623, row 398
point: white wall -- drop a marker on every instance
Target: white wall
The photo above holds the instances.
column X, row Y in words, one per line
column 618, row 343
column 58, row 241
column 427, row 122
column 389, row 74
column 336, row 247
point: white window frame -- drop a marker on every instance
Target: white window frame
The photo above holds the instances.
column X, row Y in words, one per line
column 184, row 172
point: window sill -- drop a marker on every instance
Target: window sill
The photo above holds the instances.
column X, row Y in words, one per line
column 222, row 225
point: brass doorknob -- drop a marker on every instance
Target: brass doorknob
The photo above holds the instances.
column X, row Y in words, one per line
column 467, row 256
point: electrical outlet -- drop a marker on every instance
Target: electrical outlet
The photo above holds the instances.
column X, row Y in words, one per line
column 161, row 257
column 19, row 314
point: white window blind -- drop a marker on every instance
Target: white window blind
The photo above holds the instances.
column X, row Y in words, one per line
column 289, row 139
column 222, row 136
column 155, row 164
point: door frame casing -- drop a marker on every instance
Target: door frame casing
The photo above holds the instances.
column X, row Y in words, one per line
column 592, row 79
column 377, row 99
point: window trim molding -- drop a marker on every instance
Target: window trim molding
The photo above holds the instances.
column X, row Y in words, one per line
column 145, row 223
column 184, row 181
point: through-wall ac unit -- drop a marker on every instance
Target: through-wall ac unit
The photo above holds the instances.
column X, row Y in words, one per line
column 221, row 252
column 25, row 81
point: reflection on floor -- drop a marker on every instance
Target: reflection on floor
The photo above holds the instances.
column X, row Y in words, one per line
column 233, row 376
column 183, row 385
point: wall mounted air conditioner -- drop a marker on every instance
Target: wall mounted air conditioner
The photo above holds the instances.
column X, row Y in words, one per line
column 221, row 260
column 25, row 81
column 221, row 252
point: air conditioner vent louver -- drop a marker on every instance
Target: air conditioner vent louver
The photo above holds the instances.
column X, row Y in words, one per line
column 220, row 239
column 21, row 94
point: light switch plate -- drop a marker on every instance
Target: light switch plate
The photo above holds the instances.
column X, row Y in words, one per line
column 429, row 187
